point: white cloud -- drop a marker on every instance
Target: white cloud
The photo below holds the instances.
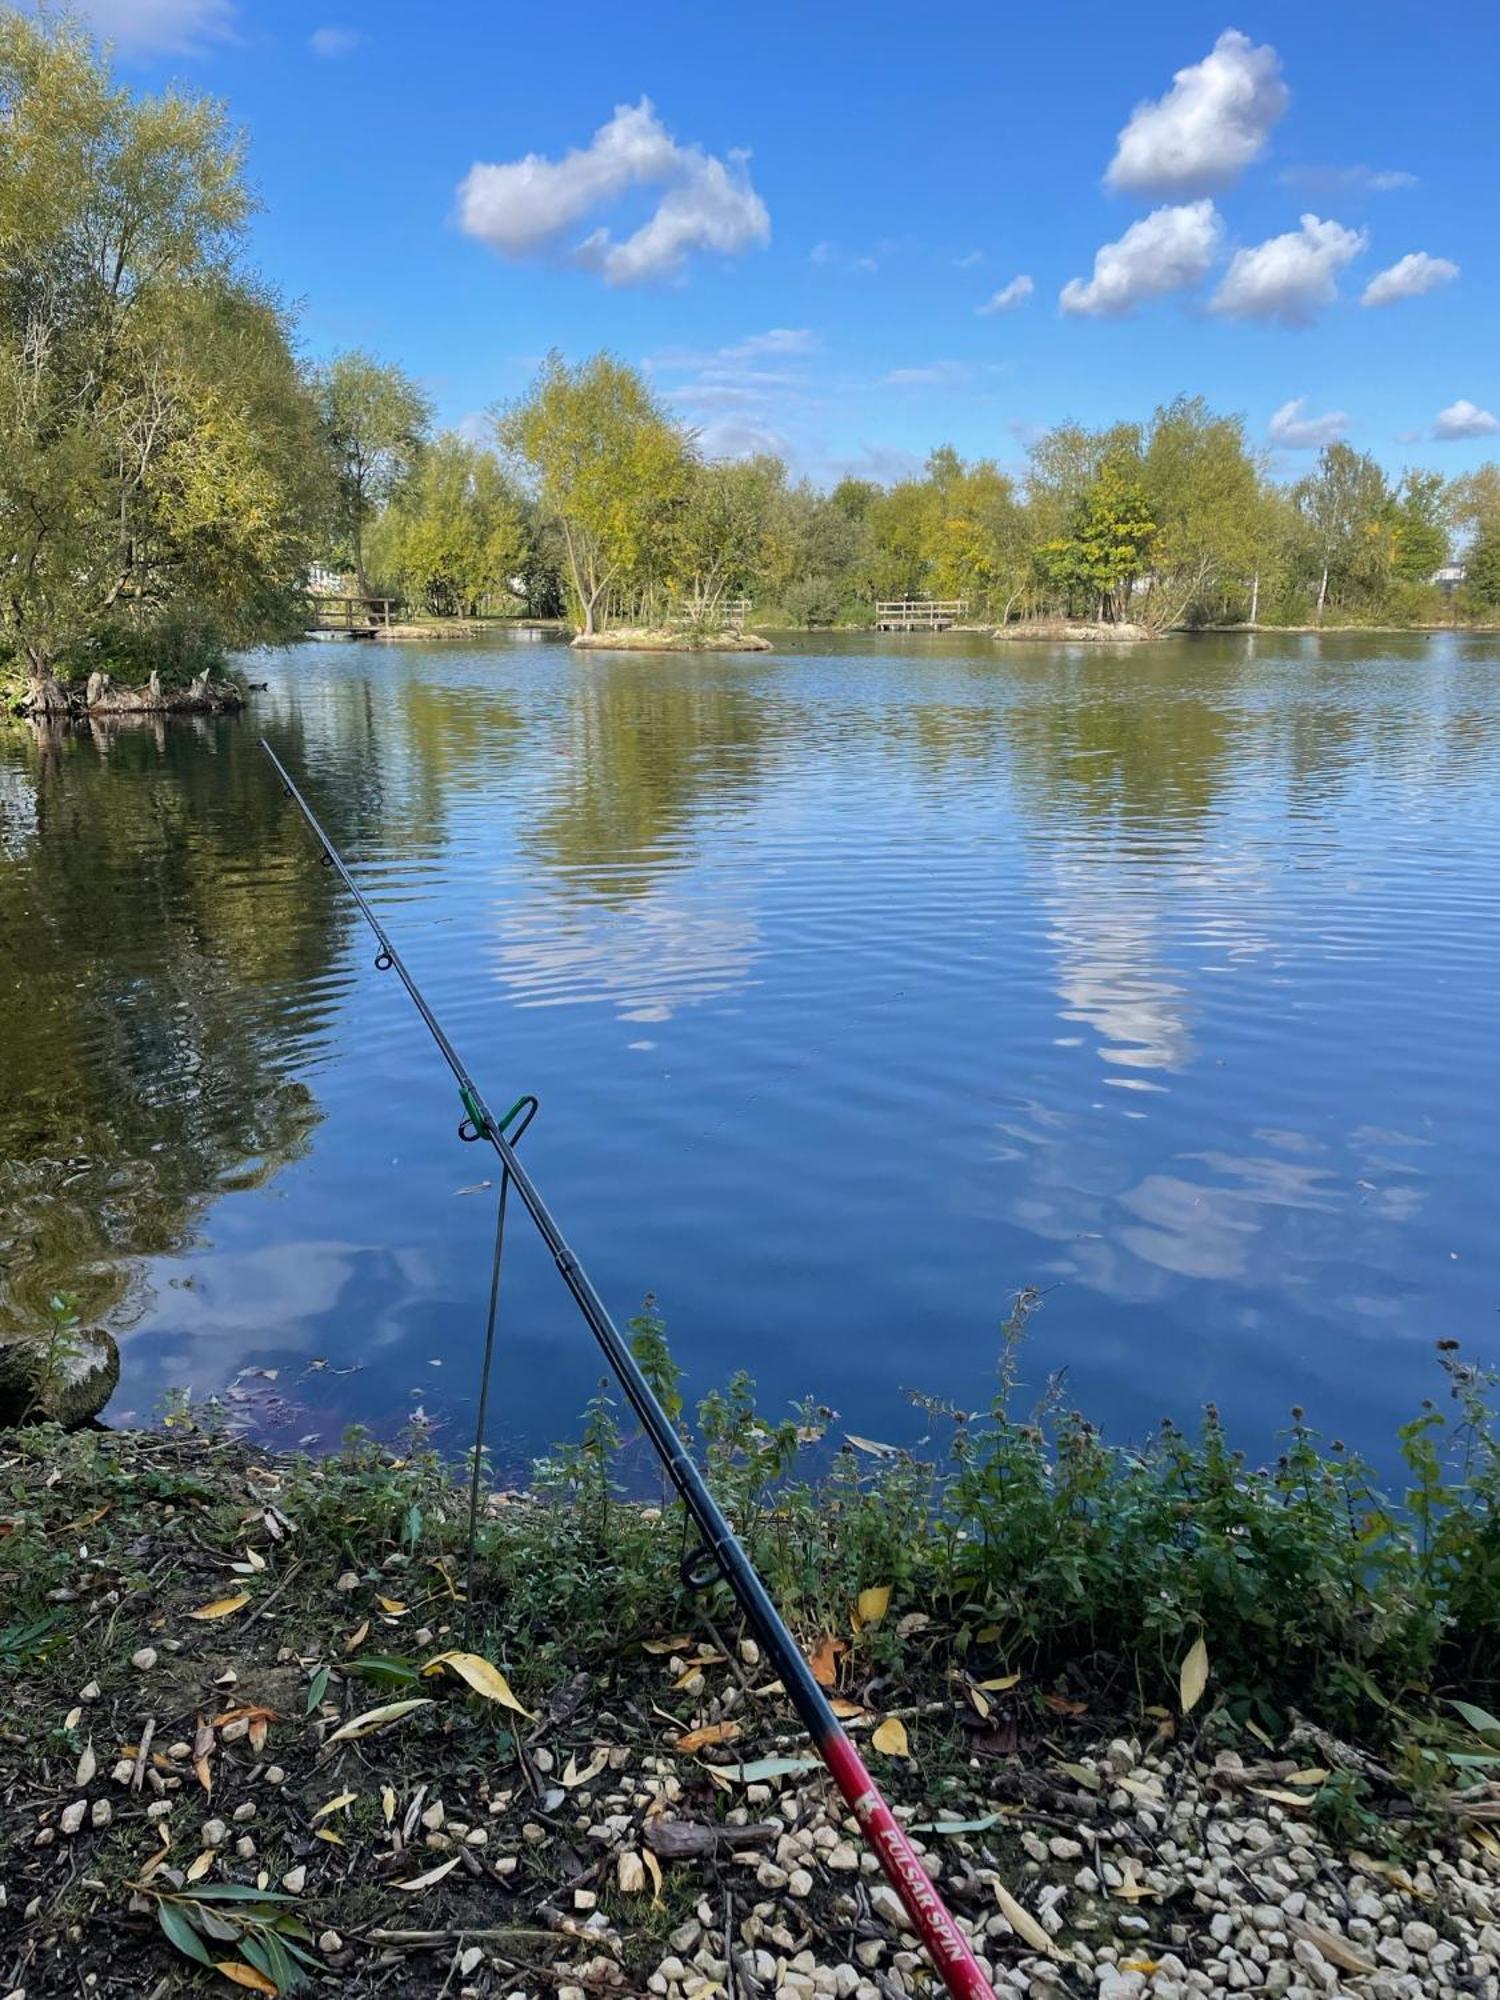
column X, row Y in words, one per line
column 1464, row 419
column 1016, row 293
column 829, row 256
column 746, row 396
column 969, row 260
column 522, row 208
column 775, row 340
column 884, row 464
column 731, row 439
column 1170, row 250
column 1293, row 430
column 1287, row 278
column 1333, row 181
column 331, row 42
column 1410, row 277
column 1212, row 123
column 929, row 375
column 165, row 27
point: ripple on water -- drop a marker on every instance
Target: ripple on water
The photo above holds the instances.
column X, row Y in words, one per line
column 860, row 988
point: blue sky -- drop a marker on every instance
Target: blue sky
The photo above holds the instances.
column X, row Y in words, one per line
column 794, row 213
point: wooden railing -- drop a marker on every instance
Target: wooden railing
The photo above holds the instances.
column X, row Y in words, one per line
column 919, row 614
column 730, row 612
column 358, row 615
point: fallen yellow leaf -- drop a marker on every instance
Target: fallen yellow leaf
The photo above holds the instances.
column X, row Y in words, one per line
column 1023, row 1923
column 357, row 1637
column 333, row 1805
column 391, row 1604
column 433, row 1874
column 223, row 1607
column 481, row 1676
column 577, row 1774
column 891, row 1739
column 376, row 1718
column 653, row 1869
column 874, row 1603
column 199, row 1868
column 708, row 1735
column 1194, row 1677
column 824, row 1660
column 245, row 1975
column 999, row 1684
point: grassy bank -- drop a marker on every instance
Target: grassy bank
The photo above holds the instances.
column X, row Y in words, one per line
column 201, row 1645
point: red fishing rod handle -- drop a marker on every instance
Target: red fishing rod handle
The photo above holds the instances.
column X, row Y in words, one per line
column 947, row 1947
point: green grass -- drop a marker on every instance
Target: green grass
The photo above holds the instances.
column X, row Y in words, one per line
column 1023, row 1542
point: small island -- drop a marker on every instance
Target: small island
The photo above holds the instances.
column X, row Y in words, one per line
column 99, row 695
column 670, row 639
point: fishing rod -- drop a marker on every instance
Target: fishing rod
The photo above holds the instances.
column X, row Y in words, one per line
column 946, row 1945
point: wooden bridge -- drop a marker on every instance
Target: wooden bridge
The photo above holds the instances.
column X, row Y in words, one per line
column 356, row 617
column 920, row 614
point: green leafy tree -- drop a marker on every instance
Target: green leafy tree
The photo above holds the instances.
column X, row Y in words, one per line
column 1482, row 570
column 375, row 420
column 1108, row 545
column 900, row 523
column 1203, row 488
column 161, row 461
column 1472, row 500
column 456, row 534
column 976, row 542
column 609, row 469
column 725, row 530
column 1421, row 530
column 1346, row 507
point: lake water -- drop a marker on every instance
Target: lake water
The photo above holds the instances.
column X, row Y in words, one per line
column 861, row 986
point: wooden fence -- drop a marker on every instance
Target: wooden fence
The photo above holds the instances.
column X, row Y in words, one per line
column 919, row 614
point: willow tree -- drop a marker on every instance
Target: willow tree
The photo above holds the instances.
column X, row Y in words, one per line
column 375, row 422
column 456, row 534
column 160, row 459
column 727, row 533
column 609, row 469
column 1203, row 487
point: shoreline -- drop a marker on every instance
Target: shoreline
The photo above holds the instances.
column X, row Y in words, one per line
column 98, row 698
column 631, row 639
column 227, row 1682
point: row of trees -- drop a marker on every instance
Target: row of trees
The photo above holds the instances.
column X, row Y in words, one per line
column 594, row 496
column 1177, row 520
column 169, row 469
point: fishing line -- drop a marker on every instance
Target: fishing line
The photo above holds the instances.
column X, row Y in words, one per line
column 946, row 1945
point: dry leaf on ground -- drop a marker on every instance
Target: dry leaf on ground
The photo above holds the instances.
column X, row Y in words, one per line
column 222, row 1607
column 239, row 1974
column 874, row 1603
column 480, row 1675
column 708, row 1735
column 1194, row 1677
column 1023, row 1923
column 433, row 1874
column 891, row 1739
column 377, row 1718
column 824, row 1660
